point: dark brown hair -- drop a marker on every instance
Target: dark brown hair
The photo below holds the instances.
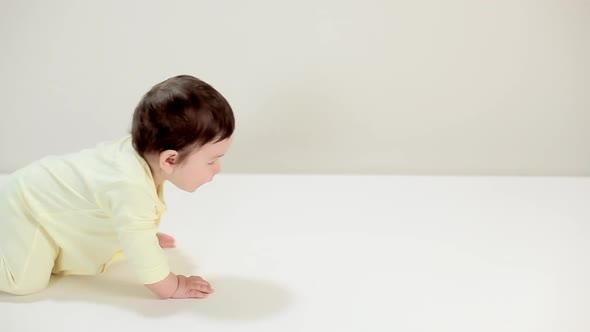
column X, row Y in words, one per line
column 180, row 113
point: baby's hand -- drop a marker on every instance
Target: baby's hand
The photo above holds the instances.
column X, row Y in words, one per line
column 166, row 241
column 192, row 287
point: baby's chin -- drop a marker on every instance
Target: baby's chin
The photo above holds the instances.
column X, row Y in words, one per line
column 193, row 189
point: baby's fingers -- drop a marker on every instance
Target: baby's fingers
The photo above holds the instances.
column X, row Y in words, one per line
column 201, row 286
column 200, row 280
column 193, row 293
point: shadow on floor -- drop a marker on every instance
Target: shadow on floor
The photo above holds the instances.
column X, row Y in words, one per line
column 235, row 298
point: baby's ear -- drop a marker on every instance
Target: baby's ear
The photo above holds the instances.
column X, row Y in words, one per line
column 168, row 160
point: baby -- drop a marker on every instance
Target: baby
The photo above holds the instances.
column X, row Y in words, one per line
column 77, row 213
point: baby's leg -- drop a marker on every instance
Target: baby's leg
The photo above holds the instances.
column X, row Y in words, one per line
column 26, row 260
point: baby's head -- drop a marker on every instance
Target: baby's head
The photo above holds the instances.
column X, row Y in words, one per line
column 182, row 126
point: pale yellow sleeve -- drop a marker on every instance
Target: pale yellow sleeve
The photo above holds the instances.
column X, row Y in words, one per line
column 134, row 215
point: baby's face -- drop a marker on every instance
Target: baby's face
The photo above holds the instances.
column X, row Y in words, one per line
column 200, row 166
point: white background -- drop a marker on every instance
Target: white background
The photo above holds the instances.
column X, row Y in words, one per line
column 413, row 87
column 318, row 86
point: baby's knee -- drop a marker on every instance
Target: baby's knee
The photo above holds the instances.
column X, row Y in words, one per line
column 28, row 288
column 26, row 285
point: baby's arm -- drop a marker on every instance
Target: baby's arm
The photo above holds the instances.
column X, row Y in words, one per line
column 131, row 207
column 181, row 287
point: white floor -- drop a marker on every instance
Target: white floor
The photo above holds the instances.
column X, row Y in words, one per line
column 351, row 253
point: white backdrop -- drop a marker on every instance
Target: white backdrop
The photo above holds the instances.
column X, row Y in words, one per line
column 318, row 86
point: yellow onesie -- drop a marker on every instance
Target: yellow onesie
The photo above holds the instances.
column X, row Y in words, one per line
column 77, row 213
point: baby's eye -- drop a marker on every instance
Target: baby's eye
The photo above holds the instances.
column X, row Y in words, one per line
column 211, row 163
